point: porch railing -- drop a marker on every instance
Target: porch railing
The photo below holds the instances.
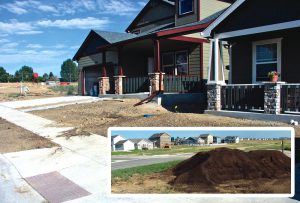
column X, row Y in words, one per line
column 135, row 84
column 244, row 97
column 182, row 84
column 290, row 98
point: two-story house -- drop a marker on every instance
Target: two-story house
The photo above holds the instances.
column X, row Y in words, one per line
column 164, row 39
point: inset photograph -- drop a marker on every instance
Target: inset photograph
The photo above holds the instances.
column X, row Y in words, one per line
column 202, row 161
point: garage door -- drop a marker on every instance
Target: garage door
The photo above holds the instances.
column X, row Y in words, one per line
column 91, row 78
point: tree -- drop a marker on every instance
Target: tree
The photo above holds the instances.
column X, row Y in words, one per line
column 69, row 71
column 45, row 77
column 24, row 74
column 4, row 76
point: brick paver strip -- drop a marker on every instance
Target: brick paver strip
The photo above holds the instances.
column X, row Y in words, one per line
column 56, row 188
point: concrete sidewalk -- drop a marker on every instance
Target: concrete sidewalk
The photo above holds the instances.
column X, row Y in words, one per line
column 47, row 101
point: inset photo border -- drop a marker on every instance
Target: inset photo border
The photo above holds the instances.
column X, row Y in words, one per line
column 201, row 161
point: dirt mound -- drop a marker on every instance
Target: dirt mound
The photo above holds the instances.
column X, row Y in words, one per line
column 223, row 164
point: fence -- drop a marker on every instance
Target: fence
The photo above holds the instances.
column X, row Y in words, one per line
column 182, row 84
column 135, row 84
column 290, row 98
column 246, row 97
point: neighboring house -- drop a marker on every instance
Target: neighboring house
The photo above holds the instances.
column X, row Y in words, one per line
column 161, row 140
column 142, row 144
column 262, row 36
column 217, row 140
column 232, row 139
column 208, row 139
column 124, row 145
column 163, row 37
column 114, row 140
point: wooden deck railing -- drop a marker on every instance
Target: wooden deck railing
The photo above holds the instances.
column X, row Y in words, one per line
column 290, row 98
column 135, row 84
column 244, row 97
column 182, row 84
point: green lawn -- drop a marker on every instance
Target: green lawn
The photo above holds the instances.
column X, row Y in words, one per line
column 125, row 174
column 243, row 145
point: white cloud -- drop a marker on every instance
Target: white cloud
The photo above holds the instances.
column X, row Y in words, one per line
column 14, row 8
column 31, row 32
column 10, row 47
column 142, row 3
column 117, row 7
column 59, row 46
column 79, row 23
column 47, row 8
column 16, row 27
column 4, row 40
column 34, row 46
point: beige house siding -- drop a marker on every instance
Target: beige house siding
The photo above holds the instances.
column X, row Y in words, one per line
column 209, row 7
column 206, row 57
column 194, row 61
column 165, row 140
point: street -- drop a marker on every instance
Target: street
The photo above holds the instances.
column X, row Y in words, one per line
column 121, row 161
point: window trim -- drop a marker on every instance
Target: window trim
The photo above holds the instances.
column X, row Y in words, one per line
column 187, row 61
column 175, row 72
column 186, row 13
column 277, row 41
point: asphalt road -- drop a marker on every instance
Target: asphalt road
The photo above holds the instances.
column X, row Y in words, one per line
column 120, row 162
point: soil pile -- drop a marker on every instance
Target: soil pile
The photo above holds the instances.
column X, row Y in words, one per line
column 223, row 164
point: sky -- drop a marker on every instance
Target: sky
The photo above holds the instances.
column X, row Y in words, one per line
column 130, row 134
column 44, row 33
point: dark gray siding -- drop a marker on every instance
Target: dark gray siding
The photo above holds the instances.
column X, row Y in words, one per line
column 242, row 62
column 189, row 18
column 290, row 52
column 254, row 13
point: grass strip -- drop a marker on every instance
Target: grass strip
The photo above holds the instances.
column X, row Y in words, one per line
column 125, row 174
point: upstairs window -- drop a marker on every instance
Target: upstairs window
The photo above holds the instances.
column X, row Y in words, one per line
column 185, row 6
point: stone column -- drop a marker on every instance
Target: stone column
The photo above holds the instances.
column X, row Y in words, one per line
column 156, row 85
column 272, row 97
column 103, row 85
column 214, row 96
column 119, row 84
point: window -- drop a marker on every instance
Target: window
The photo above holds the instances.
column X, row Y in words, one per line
column 168, row 63
column 175, row 63
column 266, row 58
column 181, row 63
column 185, row 6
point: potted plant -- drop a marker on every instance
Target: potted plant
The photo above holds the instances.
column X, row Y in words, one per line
column 273, row 75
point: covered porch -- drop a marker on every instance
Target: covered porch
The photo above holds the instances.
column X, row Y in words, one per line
column 170, row 64
column 253, row 55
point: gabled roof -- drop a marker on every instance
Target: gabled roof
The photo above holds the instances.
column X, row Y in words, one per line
column 113, row 37
column 157, row 135
column 205, row 135
column 114, row 136
column 108, row 37
column 139, row 140
column 228, row 11
column 146, row 7
column 122, row 142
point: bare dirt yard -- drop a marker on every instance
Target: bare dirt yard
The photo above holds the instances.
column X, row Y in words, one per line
column 99, row 116
column 14, row 138
column 11, row 91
